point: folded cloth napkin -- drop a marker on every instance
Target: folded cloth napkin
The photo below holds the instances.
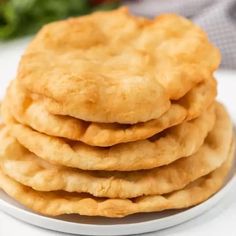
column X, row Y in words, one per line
column 216, row 17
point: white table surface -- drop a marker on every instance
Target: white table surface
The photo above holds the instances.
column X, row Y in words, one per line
column 221, row 220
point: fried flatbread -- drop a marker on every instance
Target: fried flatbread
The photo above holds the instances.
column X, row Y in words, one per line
column 114, row 67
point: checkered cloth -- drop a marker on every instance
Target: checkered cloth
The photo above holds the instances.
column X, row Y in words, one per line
column 216, row 17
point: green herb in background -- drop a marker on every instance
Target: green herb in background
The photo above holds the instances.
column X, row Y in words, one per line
column 23, row 17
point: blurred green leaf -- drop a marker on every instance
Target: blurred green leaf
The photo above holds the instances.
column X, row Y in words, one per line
column 22, row 17
column 107, row 6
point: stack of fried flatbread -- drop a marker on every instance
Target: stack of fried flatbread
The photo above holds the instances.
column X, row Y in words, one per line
column 112, row 114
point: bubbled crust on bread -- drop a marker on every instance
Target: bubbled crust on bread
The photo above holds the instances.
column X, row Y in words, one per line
column 114, row 67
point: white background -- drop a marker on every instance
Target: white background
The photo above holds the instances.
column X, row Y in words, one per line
column 221, row 220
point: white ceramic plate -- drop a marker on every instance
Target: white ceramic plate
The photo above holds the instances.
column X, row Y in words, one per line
column 139, row 223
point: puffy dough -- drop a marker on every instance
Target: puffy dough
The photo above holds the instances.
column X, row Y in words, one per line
column 30, row 170
column 59, row 203
column 145, row 154
column 28, row 110
column 114, row 67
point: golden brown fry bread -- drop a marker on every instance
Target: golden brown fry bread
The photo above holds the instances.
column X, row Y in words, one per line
column 127, row 72
column 59, row 203
column 30, row 170
column 162, row 149
column 194, row 102
column 33, row 113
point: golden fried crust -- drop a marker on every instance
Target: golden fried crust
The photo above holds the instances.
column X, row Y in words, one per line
column 113, row 67
column 28, row 169
column 28, row 110
column 58, row 203
column 159, row 150
column 194, row 101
